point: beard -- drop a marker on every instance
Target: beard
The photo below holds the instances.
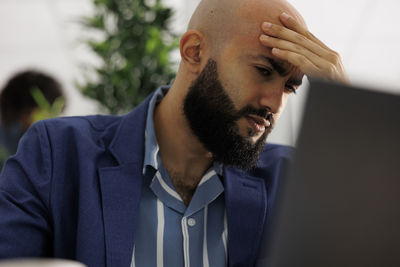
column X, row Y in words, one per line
column 213, row 118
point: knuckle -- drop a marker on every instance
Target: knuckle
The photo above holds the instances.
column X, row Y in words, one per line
column 297, row 47
column 331, row 69
column 310, row 35
column 274, row 41
column 334, row 57
column 292, row 21
column 300, row 38
column 277, row 29
column 301, row 60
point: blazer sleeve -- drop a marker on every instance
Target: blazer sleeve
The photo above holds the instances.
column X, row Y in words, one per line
column 25, row 183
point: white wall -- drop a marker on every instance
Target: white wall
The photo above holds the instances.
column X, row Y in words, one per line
column 365, row 32
column 45, row 34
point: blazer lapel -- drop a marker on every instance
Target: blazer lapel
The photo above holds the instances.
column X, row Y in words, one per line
column 121, row 187
column 121, row 192
column 246, row 204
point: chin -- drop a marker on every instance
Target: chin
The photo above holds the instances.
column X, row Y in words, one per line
column 256, row 138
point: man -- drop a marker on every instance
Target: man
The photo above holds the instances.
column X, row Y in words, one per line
column 185, row 178
column 18, row 106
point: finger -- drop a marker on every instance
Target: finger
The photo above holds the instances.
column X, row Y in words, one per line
column 289, row 46
column 294, row 37
column 298, row 60
column 329, row 71
column 292, row 24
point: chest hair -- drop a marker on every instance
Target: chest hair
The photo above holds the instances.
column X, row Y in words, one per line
column 184, row 186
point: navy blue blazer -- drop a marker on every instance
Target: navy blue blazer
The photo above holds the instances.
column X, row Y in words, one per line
column 73, row 191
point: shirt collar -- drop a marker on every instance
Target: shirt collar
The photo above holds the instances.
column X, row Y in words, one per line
column 151, row 145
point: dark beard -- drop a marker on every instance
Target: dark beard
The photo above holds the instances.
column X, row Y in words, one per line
column 213, row 119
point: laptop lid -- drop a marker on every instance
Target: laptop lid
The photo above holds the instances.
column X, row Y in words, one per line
column 339, row 204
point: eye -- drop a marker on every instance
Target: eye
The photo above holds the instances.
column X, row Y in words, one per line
column 290, row 89
column 265, row 72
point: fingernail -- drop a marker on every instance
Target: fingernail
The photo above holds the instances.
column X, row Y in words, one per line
column 275, row 51
column 264, row 37
column 285, row 15
column 267, row 25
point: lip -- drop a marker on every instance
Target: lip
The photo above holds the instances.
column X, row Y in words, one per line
column 257, row 123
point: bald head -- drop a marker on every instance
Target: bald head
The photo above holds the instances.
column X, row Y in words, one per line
column 220, row 20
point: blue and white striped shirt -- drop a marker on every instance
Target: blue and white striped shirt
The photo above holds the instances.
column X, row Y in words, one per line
column 168, row 232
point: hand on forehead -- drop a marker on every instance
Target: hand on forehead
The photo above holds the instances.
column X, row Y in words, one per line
column 225, row 21
column 222, row 22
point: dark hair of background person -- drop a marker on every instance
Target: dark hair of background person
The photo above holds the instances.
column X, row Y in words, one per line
column 16, row 99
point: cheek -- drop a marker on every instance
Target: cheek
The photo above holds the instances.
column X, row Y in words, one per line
column 243, row 127
column 240, row 88
column 233, row 88
column 234, row 78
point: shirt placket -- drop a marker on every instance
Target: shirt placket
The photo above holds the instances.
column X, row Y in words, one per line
column 186, row 240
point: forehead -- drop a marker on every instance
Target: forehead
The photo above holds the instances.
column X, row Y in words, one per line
column 247, row 19
column 246, row 28
column 247, row 47
column 261, row 10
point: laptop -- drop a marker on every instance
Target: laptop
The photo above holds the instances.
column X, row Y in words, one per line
column 339, row 203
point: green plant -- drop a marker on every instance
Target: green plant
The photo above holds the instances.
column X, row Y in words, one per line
column 4, row 154
column 45, row 110
column 135, row 52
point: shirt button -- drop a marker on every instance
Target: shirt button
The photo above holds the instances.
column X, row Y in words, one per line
column 191, row 222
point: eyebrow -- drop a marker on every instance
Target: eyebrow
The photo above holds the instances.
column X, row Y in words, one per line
column 279, row 68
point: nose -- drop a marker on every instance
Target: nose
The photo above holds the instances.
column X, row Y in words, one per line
column 272, row 95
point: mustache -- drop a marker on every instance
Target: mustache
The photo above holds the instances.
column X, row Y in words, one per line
column 265, row 113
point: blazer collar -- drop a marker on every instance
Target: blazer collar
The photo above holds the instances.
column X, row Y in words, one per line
column 246, row 205
column 128, row 143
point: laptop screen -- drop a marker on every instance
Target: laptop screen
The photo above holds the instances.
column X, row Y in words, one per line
column 339, row 204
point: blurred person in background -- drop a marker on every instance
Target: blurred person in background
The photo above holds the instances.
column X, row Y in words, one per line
column 27, row 97
column 185, row 179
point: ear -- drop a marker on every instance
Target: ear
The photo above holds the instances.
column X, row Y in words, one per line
column 192, row 48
